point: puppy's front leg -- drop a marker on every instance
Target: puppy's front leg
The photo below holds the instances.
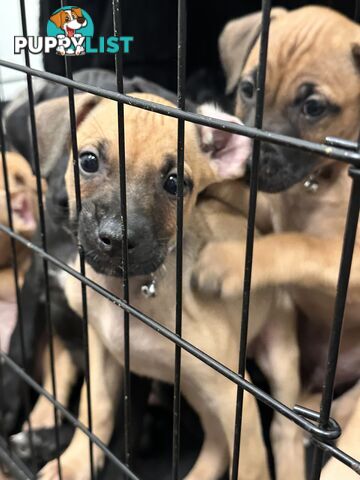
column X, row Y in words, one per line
column 7, row 286
column 278, row 357
column 42, row 415
column 213, row 458
column 105, row 383
column 279, row 259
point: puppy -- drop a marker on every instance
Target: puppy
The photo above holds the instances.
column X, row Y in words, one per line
column 66, row 324
column 311, row 51
column 23, row 197
column 151, row 148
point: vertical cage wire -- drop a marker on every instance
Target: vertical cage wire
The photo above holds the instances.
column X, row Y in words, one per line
column 16, row 281
column 260, row 99
column 340, row 304
column 348, row 246
column 81, row 253
column 181, row 80
column 37, row 168
column 117, row 19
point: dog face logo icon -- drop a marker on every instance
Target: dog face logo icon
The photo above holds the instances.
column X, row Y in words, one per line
column 71, row 26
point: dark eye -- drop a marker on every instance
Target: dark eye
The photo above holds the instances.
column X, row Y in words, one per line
column 314, row 107
column 171, row 183
column 247, row 88
column 89, row 162
column 19, row 179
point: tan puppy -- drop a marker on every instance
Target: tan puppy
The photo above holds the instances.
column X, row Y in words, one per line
column 24, row 214
column 211, row 325
column 312, row 51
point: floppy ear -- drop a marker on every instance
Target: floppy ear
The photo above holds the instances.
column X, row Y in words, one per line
column 57, row 18
column 77, row 12
column 228, row 151
column 236, row 42
column 53, row 127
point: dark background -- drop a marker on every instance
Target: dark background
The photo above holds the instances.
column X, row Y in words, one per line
column 153, row 24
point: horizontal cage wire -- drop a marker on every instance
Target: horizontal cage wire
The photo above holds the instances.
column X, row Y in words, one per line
column 322, row 429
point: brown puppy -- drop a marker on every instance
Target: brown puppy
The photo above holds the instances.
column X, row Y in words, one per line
column 311, row 51
column 151, row 146
column 23, row 197
column 24, row 214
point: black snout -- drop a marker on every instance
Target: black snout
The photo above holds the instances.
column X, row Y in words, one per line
column 81, row 20
column 101, row 233
column 110, row 237
column 282, row 167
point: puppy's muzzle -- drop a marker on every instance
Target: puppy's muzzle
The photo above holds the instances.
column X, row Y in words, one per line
column 110, row 237
column 282, row 167
column 101, row 233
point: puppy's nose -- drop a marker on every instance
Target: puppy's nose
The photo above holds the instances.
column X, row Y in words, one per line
column 81, row 20
column 110, row 236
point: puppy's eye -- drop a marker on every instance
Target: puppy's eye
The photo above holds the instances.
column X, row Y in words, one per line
column 19, row 179
column 247, row 88
column 171, row 184
column 89, row 162
column 314, row 107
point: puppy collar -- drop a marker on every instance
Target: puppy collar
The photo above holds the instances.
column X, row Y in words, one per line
column 148, row 289
column 311, row 183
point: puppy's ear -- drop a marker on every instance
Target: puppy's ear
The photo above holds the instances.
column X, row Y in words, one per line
column 57, row 18
column 53, row 128
column 228, row 151
column 355, row 50
column 236, row 42
column 77, row 12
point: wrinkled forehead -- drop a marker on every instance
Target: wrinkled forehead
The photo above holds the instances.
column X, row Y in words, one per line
column 150, row 138
column 308, row 43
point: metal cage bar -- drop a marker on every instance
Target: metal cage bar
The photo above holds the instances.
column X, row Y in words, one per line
column 16, row 279
column 37, row 168
column 181, row 74
column 123, row 206
column 260, row 99
column 300, row 419
column 340, row 300
column 339, row 309
column 81, row 253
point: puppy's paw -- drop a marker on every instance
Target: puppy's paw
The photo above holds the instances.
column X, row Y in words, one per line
column 70, row 470
column 13, row 402
column 219, row 271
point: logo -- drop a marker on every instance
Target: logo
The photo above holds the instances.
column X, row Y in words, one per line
column 70, row 26
column 70, row 31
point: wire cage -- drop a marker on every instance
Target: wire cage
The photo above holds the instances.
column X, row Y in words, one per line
column 322, row 429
